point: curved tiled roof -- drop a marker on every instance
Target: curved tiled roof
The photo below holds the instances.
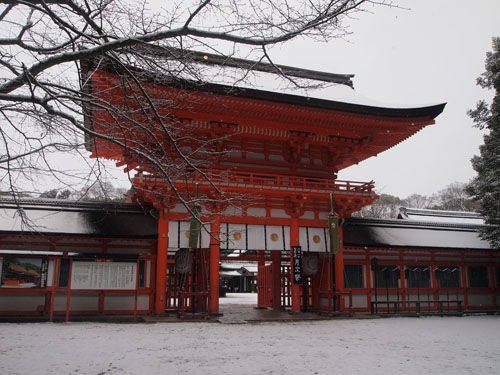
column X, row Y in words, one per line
column 66, row 217
column 408, row 233
column 124, row 220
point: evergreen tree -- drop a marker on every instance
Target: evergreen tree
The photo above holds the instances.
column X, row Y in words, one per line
column 485, row 188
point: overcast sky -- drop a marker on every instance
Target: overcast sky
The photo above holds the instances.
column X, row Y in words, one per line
column 431, row 53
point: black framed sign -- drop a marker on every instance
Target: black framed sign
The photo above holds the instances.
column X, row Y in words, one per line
column 297, row 264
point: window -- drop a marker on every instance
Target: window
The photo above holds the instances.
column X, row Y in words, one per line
column 478, row 277
column 387, row 276
column 64, row 273
column 418, row 276
column 353, row 276
column 140, row 282
column 448, row 277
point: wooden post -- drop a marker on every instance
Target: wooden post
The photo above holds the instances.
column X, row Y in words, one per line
column 214, row 264
column 464, row 271
column 55, row 280
column 339, row 268
column 261, row 258
column 161, row 262
column 68, row 298
column 136, row 288
column 491, row 283
column 294, row 241
column 276, row 279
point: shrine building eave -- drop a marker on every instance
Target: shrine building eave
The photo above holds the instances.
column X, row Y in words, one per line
column 330, row 121
column 429, row 112
column 310, row 90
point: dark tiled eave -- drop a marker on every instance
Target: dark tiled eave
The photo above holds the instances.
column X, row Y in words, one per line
column 427, row 112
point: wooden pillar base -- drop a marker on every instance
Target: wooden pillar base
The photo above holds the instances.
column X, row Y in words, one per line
column 214, row 266
column 276, row 279
column 161, row 264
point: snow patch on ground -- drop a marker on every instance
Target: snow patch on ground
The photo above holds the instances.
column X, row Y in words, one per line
column 239, row 299
column 432, row 345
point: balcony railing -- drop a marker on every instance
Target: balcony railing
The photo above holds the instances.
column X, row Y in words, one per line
column 259, row 180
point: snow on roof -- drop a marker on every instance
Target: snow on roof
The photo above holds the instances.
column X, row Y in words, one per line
column 280, row 79
column 51, row 216
column 440, row 216
column 204, row 69
column 130, row 221
column 280, row 84
column 406, row 233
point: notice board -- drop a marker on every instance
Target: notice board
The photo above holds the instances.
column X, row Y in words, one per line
column 104, row 275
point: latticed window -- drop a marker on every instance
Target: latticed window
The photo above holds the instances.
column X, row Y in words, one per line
column 387, row 276
column 64, row 273
column 353, row 276
column 448, row 277
column 418, row 276
column 478, row 277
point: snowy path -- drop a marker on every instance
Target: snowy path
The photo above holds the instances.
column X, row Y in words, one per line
column 239, row 298
column 451, row 345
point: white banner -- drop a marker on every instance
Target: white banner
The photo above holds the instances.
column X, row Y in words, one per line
column 104, row 275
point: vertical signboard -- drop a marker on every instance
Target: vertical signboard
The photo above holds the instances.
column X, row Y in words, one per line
column 297, row 264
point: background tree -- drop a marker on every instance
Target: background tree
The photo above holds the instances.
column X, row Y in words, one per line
column 43, row 42
column 386, row 207
column 485, row 187
column 455, row 198
column 101, row 191
column 452, row 198
column 418, row 201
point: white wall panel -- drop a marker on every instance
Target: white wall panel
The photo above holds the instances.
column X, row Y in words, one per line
column 303, row 238
column 184, row 234
column 21, row 302
column 274, row 237
column 50, row 272
column 317, row 239
column 173, row 234
column 256, row 237
column 236, row 236
column 287, row 237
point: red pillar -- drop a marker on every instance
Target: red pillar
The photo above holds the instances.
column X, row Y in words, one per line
column 161, row 262
column 296, row 288
column 276, row 279
column 214, row 265
column 339, row 267
column 261, row 258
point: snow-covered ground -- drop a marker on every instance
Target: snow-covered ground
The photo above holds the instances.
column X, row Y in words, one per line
column 239, row 299
column 450, row 345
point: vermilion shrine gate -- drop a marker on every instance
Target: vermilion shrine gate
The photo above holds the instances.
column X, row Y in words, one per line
column 274, row 155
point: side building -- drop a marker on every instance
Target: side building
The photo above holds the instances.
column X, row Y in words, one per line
column 68, row 258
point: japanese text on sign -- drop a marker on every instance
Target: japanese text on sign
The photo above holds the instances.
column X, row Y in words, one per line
column 103, row 275
column 297, row 264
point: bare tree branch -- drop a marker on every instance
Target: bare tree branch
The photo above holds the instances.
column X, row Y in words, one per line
column 44, row 95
